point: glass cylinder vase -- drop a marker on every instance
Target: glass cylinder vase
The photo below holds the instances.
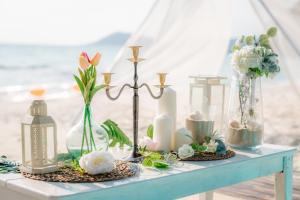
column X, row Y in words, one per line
column 245, row 116
column 86, row 135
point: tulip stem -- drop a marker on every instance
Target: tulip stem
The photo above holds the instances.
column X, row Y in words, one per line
column 92, row 142
column 84, row 136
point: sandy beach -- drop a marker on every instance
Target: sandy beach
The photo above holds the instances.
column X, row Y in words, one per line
column 281, row 113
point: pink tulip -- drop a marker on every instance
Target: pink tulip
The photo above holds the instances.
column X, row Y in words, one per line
column 84, row 54
column 96, row 59
column 83, row 62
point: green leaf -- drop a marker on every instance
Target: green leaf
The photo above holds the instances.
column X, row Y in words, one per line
column 155, row 156
column 80, row 84
column 87, row 91
column 150, row 131
column 147, row 162
column 198, row 148
column 82, row 76
column 115, row 134
column 95, row 90
column 160, row 165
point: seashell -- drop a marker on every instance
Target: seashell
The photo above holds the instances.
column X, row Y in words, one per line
column 234, row 124
column 196, row 116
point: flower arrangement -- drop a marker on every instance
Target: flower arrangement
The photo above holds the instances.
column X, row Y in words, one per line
column 86, row 82
column 252, row 58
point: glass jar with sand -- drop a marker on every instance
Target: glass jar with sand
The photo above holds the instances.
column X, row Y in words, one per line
column 207, row 94
column 245, row 126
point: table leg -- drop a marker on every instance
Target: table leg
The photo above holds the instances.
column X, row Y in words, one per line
column 284, row 180
column 207, row 195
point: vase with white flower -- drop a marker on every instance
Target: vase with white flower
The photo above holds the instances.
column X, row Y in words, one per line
column 252, row 59
column 87, row 136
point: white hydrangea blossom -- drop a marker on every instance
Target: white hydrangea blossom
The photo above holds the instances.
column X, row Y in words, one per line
column 245, row 58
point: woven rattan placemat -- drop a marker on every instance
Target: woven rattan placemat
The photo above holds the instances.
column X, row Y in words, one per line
column 67, row 174
column 205, row 156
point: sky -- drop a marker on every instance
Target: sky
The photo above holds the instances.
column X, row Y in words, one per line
column 68, row 22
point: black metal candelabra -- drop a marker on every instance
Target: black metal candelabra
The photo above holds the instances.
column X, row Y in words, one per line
column 107, row 79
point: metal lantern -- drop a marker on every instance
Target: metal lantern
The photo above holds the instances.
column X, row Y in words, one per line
column 39, row 140
column 207, row 94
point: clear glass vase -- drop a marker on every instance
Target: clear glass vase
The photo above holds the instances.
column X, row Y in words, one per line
column 245, row 114
column 86, row 135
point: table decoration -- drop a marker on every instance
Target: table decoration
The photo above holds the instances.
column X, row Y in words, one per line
column 68, row 174
column 158, row 160
column 167, row 105
column 86, row 135
column 8, row 166
column 252, row 59
column 115, row 134
column 163, row 130
column 39, row 140
column 213, row 148
column 135, row 59
column 97, row 162
column 207, row 94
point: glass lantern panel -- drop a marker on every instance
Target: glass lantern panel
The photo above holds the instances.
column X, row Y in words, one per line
column 208, row 101
column 51, row 144
column 217, row 106
column 196, row 101
column 26, row 145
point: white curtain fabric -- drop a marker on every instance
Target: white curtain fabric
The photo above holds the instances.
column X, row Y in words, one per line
column 190, row 37
column 285, row 15
column 181, row 38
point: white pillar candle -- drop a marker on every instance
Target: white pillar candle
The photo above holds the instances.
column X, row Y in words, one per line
column 167, row 105
column 162, row 132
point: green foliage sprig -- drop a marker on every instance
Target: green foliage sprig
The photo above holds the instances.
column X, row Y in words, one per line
column 87, row 83
column 150, row 131
column 8, row 166
column 115, row 134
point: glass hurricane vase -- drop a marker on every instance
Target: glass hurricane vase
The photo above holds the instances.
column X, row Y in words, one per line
column 86, row 135
column 245, row 117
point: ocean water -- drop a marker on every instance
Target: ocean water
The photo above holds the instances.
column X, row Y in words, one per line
column 23, row 67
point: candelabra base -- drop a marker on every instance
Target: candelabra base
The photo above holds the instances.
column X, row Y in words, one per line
column 134, row 158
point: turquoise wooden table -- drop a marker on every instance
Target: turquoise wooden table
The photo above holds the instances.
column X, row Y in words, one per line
column 187, row 179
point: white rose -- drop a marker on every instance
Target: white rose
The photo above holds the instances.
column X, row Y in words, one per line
column 97, row 162
column 211, row 146
column 148, row 143
column 245, row 58
column 185, row 151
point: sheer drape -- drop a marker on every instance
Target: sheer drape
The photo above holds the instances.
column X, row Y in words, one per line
column 193, row 37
